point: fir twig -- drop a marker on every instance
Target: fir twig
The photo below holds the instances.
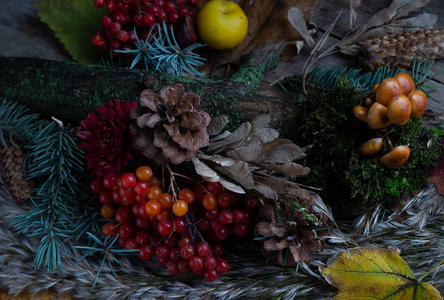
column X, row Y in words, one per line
column 56, row 161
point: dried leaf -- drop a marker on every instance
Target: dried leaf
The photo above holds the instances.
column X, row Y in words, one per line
column 235, row 137
column 247, row 153
column 217, row 124
column 296, row 18
column 375, row 273
column 283, row 153
column 273, row 144
column 231, row 186
column 265, row 190
column 205, row 171
column 290, row 168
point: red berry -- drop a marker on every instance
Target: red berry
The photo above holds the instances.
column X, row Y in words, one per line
column 183, row 11
column 171, row 241
column 166, row 200
column 203, row 249
column 123, row 36
column 187, row 195
column 216, row 224
column 162, row 252
column 223, row 200
column 114, row 44
column 128, row 180
column 226, row 217
column 115, row 27
column 180, row 2
column 95, row 186
column 203, row 225
column 173, row 17
column 159, row 3
column 119, row 17
column 142, row 237
column 123, row 215
column 238, row 216
column 109, row 181
column 115, row 195
column 210, row 262
column 210, row 275
column 107, row 21
column 194, row 2
column 163, row 215
column 99, row 3
column 141, row 198
column 172, row 267
column 187, row 251
column 162, row 15
column 141, row 187
column 126, row 231
column 174, row 254
column 107, row 211
column 131, row 244
column 217, row 249
column 97, row 40
column 165, row 227
column 215, row 187
column 221, row 234
column 169, row 6
column 240, row 229
column 221, row 265
column 183, row 265
column 142, row 223
column 105, row 196
column 112, row 5
column 110, row 229
column 196, row 263
column 154, row 10
column 211, row 214
column 180, row 224
column 146, row 252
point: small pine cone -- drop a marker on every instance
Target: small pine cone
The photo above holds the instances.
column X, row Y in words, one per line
column 292, row 235
column 167, row 126
column 12, row 162
column 401, row 50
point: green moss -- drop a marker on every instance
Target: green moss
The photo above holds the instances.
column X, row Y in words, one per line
column 348, row 181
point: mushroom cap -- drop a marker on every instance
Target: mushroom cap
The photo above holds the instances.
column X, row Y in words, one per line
column 371, row 148
column 406, row 82
column 360, row 112
column 418, row 101
column 399, row 110
column 388, row 89
column 395, row 158
column 377, row 116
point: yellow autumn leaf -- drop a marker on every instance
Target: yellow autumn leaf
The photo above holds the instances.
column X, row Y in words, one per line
column 375, row 273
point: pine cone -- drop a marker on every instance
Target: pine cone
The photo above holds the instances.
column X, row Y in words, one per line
column 401, row 50
column 292, row 233
column 12, row 162
column 167, row 126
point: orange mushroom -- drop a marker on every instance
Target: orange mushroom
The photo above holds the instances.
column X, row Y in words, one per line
column 360, row 112
column 377, row 116
column 418, row 102
column 371, row 148
column 398, row 110
column 396, row 157
column 388, row 89
column 406, row 82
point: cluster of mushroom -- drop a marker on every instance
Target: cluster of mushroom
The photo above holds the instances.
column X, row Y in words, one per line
column 392, row 101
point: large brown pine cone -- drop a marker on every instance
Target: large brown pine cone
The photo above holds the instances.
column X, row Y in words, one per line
column 167, row 126
column 401, row 50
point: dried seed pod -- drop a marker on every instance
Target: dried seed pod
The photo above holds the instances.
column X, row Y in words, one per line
column 400, row 50
column 406, row 82
column 388, row 89
column 396, row 157
column 371, row 148
column 398, row 110
column 377, row 116
column 418, row 102
column 361, row 112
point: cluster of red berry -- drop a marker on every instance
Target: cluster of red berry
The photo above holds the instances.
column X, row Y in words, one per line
column 127, row 16
column 184, row 230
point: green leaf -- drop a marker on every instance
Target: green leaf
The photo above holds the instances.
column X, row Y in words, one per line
column 74, row 23
column 375, row 273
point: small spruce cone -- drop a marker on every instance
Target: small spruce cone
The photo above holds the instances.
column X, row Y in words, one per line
column 293, row 235
column 167, row 126
column 12, row 162
column 401, row 50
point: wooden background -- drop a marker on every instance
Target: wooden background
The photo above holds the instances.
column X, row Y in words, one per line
column 23, row 34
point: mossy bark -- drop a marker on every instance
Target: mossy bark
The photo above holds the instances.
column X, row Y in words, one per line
column 69, row 91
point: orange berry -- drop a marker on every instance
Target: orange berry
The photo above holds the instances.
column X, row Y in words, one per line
column 144, row 173
column 187, row 195
column 154, row 181
column 153, row 207
column 209, row 201
column 180, row 208
column 154, row 193
column 166, row 200
column 107, row 211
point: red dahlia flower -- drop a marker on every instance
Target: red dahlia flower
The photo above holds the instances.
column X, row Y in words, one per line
column 107, row 140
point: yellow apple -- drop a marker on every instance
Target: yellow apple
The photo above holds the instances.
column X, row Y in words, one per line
column 222, row 24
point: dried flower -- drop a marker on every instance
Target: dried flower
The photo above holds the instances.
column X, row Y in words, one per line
column 107, row 140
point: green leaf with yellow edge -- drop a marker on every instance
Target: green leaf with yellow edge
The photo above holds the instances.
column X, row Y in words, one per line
column 74, row 23
column 375, row 273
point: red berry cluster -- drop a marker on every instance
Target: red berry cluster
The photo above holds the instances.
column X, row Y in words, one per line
column 126, row 15
column 184, row 230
